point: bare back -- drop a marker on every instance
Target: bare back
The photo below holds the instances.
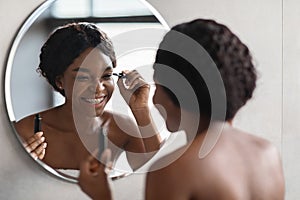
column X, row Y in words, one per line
column 241, row 166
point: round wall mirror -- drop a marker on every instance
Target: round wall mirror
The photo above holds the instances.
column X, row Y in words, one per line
column 135, row 29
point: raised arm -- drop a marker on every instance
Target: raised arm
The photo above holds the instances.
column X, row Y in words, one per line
column 136, row 94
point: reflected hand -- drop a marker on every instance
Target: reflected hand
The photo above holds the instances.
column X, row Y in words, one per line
column 93, row 178
column 136, row 94
column 36, row 146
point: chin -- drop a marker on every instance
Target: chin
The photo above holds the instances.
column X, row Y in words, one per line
column 98, row 113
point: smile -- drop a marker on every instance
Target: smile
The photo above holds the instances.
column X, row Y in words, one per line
column 94, row 101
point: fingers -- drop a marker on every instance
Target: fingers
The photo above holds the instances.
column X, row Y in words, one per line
column 92, row 167
column 121, row 85
column 136, row 83
column 93, row 162
column 133, row 80
column 131, row 77
column 86, row 167
column 106, row 160
column 36, row 146
column 33, row 138
column 96, row 185
column 41, row 151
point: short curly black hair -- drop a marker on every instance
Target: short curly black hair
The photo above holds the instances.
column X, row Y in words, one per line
column 229, row 54
column 66, row 43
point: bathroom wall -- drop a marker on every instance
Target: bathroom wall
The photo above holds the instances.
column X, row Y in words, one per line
column 291, row 98
column 268, row 27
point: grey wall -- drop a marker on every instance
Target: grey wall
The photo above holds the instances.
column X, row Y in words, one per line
column 272, row 114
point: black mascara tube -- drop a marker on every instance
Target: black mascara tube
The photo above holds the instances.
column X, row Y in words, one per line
column 37, row 123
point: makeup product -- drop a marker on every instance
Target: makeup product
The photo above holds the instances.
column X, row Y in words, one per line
column 102, row 142
column 37, row 123
column 120, row 75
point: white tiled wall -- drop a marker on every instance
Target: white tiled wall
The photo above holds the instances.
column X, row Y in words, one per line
column 272, row 114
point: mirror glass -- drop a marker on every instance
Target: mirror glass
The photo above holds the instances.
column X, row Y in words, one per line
column 135, row 29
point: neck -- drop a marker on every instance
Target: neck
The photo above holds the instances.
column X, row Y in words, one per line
column 76, row 122
column 194, row 125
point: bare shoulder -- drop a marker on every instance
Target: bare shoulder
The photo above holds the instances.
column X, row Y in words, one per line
column 237, row 154
column 25, row 126
column 255, row 144
column 169, row 177
column 259, row 161
column 253, row 150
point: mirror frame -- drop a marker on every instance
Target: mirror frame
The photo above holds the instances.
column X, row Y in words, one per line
column 7, row 94
column 30, row 19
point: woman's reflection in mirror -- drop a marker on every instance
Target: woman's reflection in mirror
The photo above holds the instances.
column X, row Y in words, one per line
column 77, row 60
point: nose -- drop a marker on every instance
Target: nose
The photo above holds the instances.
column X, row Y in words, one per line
column 98, row 86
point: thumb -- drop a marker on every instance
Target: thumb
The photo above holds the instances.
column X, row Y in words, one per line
column 126, row 94
column 121, row 85
column 106, row 158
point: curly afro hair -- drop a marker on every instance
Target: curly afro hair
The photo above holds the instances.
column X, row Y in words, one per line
column 230, row 56
column 66, row 43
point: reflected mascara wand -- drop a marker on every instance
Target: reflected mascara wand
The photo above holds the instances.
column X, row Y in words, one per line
column 120, row 75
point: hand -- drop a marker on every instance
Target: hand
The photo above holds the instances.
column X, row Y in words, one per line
column 36, row 146
column 136, row 94
column 93, row 179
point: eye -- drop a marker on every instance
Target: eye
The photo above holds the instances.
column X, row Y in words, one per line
column 82, row 78
column 107, row 76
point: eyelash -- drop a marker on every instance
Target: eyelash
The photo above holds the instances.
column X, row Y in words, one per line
column 82, row 78
column 86, row 78
column 107, row 76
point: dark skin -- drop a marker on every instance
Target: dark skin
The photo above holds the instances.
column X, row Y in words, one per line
column 239, row 166
column 88, row 86
column 65, row 149
column 98, row 173
column 252, row 172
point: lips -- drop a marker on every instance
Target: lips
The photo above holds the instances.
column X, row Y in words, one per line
column 94, row 101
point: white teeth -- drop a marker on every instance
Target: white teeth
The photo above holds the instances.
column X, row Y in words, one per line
column 94, row 101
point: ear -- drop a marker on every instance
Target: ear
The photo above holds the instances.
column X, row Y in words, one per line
column 59, row 82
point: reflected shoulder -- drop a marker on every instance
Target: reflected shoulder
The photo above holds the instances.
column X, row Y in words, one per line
column 24, row 127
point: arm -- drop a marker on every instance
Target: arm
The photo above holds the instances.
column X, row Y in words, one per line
column 137, row 96
column 129, row 140
column 147, row 129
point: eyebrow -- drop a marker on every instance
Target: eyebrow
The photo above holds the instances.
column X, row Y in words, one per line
column 80, row 69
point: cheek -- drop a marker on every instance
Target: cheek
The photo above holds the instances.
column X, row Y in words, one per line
column 154, row 98
column 157, row 96
column 78, row 88
column 110, row 87
column 159, row 105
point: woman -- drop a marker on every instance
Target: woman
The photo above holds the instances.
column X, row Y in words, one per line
column 78, row 60
column 235, row 164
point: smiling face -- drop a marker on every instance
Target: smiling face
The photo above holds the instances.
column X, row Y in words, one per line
column 88, row 83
